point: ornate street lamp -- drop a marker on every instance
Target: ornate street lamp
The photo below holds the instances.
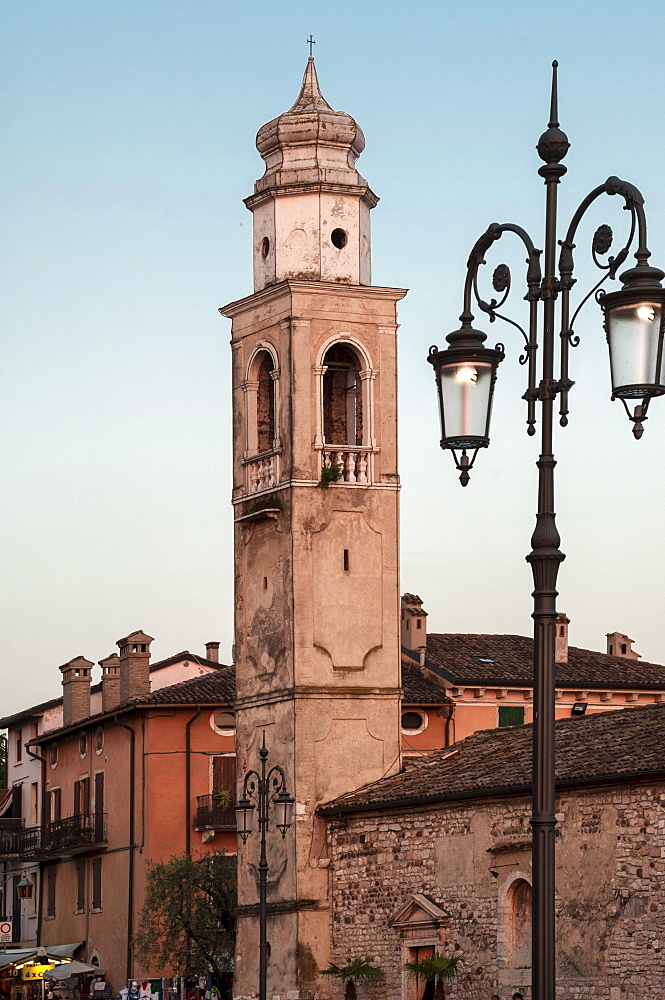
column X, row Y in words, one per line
column 465, row 372
column 264, row 788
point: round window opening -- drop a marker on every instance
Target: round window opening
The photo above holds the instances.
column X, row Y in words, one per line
column 265, row 247
column 339, row 238
column 99, row 740
column 413, row 722
column 223, row 723
column 83, row 744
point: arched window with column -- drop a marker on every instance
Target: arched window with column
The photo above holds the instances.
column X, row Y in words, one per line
column 265, row 404
column 342, row 398
column 261, row 419
column 345, row 420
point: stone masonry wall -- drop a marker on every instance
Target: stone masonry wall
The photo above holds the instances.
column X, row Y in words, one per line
column 610, row 892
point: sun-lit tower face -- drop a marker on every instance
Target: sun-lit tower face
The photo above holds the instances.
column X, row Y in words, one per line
column 315, row 495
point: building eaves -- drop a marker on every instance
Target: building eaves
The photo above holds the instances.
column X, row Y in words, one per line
column 605, row 747
column 211, row 690
column 29, row 713
column 38, row 710
column 488, row 660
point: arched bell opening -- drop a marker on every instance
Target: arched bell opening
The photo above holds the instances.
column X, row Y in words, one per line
column 261, row 421
column 265, row 403
column 342, row 397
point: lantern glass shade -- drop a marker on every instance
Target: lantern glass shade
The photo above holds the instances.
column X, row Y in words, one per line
column 244, row 818
column 284, row 811
column 635, row 338
column 465, row 399
column 24, row 888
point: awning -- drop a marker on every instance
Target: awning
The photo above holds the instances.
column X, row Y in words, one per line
column 6, row 798
column 68, row 969
column 18, row 956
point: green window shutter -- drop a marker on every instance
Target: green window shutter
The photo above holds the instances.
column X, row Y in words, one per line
column 511, row 715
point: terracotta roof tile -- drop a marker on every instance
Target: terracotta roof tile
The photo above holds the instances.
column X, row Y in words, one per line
column 418, row 690
column 508, row 660
column 216, row 688
column 605, row 746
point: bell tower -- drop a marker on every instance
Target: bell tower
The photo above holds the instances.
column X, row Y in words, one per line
column 315, row 496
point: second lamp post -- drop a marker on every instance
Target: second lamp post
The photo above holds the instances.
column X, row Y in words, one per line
column 263, row 788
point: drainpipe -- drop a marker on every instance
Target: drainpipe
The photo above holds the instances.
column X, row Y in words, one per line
column 449, row 718
column 188, row 781
column 130, row 886
column 42, row 827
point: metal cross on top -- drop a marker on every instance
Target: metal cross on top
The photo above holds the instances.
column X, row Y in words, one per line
column 310, row 42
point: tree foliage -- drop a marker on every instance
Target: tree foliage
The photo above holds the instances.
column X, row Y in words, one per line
column 188, row 918
column 358, row 971
column 435, row 969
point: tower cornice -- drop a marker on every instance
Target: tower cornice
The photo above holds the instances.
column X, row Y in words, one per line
column 275, row 292
column 361, row 191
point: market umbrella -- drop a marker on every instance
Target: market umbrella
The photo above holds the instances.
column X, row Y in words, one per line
column 68, row 969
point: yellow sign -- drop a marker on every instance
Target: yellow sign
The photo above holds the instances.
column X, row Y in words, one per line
column 36, row 971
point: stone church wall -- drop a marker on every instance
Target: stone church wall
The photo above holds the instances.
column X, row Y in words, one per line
column 610, row 893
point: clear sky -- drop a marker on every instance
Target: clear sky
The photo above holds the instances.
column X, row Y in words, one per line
column 128, row 147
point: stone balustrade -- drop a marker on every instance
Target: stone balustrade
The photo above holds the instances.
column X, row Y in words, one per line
column 353, row 462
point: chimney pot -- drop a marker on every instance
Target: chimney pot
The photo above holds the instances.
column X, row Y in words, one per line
column 212, row 651
column 561, row 644
column 413, row 623
column 76, row 679
column 618, row 644
column 110, row 681
column 134, row 666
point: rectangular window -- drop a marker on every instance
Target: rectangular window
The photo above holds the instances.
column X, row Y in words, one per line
column 511, row 715
column 97, row 884
column 34, row 803
column 80, row 885
column 346, row 560
column 50, row 892
column 19, row 747
column 54, row 805
column 99, row 807
column 224, row 776
column 17, row 801
column 82, row 797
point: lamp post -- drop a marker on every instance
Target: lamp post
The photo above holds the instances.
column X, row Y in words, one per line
column 465, row 372
column 266, row 787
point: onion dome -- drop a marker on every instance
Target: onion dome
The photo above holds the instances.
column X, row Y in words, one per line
column 310, row 143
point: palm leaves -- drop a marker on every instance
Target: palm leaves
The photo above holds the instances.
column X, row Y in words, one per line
column 435, row 969
column 360, row 970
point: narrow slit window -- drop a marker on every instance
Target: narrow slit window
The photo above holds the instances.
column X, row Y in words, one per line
column 265, row 582
column 346, row 560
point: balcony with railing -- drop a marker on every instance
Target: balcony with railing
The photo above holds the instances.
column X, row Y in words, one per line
column 18, row 841
column 75, row 834
column 211, row 814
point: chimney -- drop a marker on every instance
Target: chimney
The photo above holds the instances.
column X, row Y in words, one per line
column 75, row 690
column 413, row 623
column 110, row 681
column 619, row 644
column 134, row 666
column 212, row 651
column 561, row 648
